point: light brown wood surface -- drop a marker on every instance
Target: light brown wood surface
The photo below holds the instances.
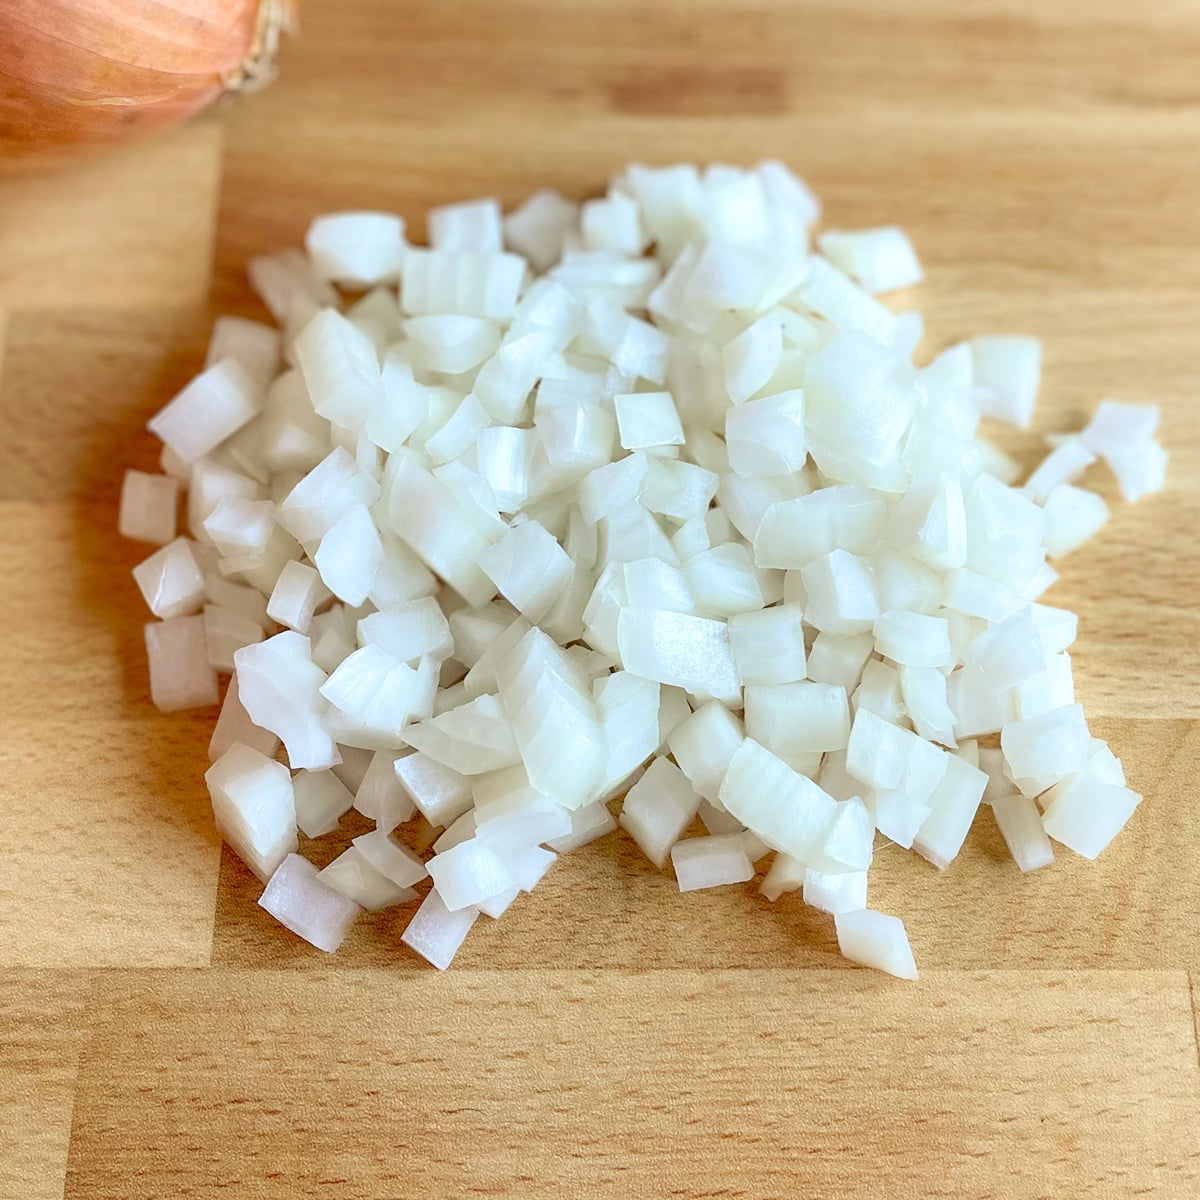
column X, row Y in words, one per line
column 159, row 1036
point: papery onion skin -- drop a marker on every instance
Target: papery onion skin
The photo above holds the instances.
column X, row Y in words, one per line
column 81, row 74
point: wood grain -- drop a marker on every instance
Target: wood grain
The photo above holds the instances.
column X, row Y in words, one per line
column 610, row 1037
column 615, row 1084
column 130, row 230
column 42, row 1030
column 110, row 853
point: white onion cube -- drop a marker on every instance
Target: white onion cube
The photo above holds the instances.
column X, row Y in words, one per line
column 710, row 862
column 321, row 799
column 301, row 902
column 1051, row 744
column 658, row 808
column 435, row 932
column 354, row 876
column 689, row 652
column 841, row 594
column 356, row 248
column 148, row 503
column 180, row 674
column 874, row 939
column 213, row 407
column 844, row 893
column 1021, row 826
column 467, row 874
column 787, row 810
column 768, row 646
column 1008, row 372
column 170, row 580
column 440, row 793
column 349, row 555
column 1087, row 814
column 254, row 807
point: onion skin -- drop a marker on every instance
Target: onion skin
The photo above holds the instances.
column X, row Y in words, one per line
column 76, row 75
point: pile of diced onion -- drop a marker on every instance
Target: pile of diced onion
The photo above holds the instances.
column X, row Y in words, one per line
column 639, row 502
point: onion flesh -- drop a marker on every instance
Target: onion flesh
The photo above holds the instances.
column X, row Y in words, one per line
column 548, row 519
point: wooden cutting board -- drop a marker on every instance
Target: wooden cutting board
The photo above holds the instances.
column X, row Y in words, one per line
column 159, row 1036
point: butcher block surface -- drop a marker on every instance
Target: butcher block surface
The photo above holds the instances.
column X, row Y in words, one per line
column 161, row 1036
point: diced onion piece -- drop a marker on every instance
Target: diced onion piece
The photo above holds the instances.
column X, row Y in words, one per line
column 279, row 686
column 1064, row 464
column 435, row 932
column 913, row 639
column 710, row 862
column 646, row 419
column 315, row 504
column 723, row 581
column 354, row 876
column 322, row 799
column 795, row 533
column 684, row 651
column 341, row 370
column 841, row 594
column 882, row 260
column 834, row 659
column 797, row 720
column 766, row 437
column 554, row 720
column 170, row 580
column 472, row 225
column 254, row 807
column 349, row 555
column 225, row 633
column 1021, row 827
column 181, row 675
column 1072, row 517
column 301, row 901
column 1086, row 814
column 287, row 277
column 874, row 939
column 847, row 843
column 768, row 645
column 253, row 345
column 953, row 806
column 467, row 283
column 538, row 227
column 380, row 796
column 703, row 745
column 147, row 512
column 213, row 407
column 787, row 810
column 528, row 567
column 467, row 874
column 843, row 893
column 831, row 295
column 785, row 875
column 295, row 596
column 356, row 248
column 751, row 358
column 629, row 709
column 1007, row 375
column 447, row 531
column 587, row 824
column 658, row 808
column 475, row 737
column 1052, row 744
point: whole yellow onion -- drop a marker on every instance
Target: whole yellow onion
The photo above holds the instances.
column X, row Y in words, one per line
column 79, row 74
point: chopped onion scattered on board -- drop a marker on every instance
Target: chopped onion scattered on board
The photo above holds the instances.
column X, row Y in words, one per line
column 642, row 498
